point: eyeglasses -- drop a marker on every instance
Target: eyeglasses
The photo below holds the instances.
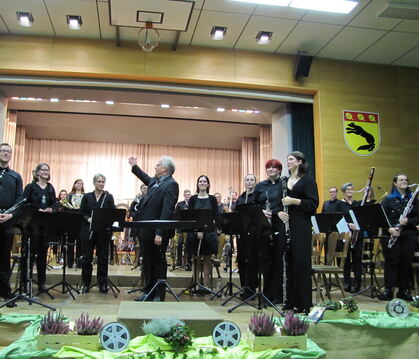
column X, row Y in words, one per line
column 5, row 150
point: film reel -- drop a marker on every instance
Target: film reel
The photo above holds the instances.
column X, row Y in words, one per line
column 114, row 337
column 226, row 334
column 397, row 308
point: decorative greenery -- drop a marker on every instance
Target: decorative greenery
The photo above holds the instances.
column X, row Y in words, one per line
column 293, row 325
column 54, row 323
column 262, row 325
column 349, row 304
column 180, row 337
column 85, row 326
column 160, row 327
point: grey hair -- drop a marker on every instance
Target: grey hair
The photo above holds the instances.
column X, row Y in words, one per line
column 167, row 161
column 345, row 186
column 97, row 175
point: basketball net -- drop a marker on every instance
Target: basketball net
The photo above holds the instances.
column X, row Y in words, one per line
column 148, row 37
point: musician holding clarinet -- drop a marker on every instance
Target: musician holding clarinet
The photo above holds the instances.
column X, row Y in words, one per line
column 91, row 239
column 402, row 210
column 300, row 200
column 11, row 190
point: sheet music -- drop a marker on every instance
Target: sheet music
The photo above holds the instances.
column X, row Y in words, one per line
column 315, row 225
column 342, row 226
column 354, row 220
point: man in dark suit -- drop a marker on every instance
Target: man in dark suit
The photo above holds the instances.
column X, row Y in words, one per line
column 159, row 203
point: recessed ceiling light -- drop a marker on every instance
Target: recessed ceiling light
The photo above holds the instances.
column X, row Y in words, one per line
column 220, row 109
column 264, row 37
column 337, row 6
column 218, row 32
column 54, row 99
column 109, row 102
column 164, row 105
column 25, row 19
column 74, row 22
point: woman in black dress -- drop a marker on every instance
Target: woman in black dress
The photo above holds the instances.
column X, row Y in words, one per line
column 206, row 243
column 302, row 200
column 41, row 195
column 399, row 258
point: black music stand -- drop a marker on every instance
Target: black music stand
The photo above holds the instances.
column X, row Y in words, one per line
column 230, row 224
column 370, row 218
column 327, row 222
column 30, row 222
column 102, row 220
column 64, row 224
column 205, row 222
column 251, row 215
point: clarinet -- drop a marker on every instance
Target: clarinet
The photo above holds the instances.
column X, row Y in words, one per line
column 406, row 211
column 268, row 206
column 287, row 242
column 355, row 234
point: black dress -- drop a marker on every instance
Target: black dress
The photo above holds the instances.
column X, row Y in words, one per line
column 299, row 290
column 209, row 243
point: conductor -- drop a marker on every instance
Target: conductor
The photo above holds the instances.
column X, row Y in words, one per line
column 159, row 203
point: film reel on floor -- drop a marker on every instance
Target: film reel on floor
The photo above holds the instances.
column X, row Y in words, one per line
column 114, row 337
column 226, row 334
column 397, row 308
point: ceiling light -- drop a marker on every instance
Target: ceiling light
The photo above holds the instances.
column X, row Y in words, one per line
column 264, row 37
column 218, row 32
column 220, row 109
column 338, row 6
column 235, row 110
column 74, row 22
column 109, row 102
column 25, row 18
column 267, row 2
column 164, row 105
column 54, row 99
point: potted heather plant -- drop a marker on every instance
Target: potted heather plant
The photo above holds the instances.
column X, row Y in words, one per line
column 262, row 332
column 53, row 328
column 294, row 331
column 88, row 331
column 344, row 309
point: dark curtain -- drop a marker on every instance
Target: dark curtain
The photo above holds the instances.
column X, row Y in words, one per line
column 302, row 132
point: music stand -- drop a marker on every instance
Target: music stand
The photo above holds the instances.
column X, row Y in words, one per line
column 329, row 222
column 204, row 223
column 230, row 224
column 30, row 222
column 64, row 224
column 102, row 220
column 370, row 218
column 251, row 215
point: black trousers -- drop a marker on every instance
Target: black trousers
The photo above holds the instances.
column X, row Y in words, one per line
column 38, row 253
column 398, row 260
column 154, row 262
column 100, row 241
column 353, row 262
column 6, row 240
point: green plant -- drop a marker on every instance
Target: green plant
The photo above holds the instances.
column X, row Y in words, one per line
column 161, row 327
column 262, row 325
column 180, row 337
column 349, row 304
column 85, row 326
column 54, row 323
column 331, row 305
column 293, row 325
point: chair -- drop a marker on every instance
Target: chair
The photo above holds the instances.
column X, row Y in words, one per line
column 15, row 257
column 318, row 240
column 335, row 261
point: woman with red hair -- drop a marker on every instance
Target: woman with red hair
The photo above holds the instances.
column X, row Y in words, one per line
column 267, row 195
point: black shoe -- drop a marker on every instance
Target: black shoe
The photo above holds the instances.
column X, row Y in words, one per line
column 404, row 294
column 304, row 311
column 387, row 295
column 188, row 268
column 84, row 289
column 103, row 288
column 287, row 307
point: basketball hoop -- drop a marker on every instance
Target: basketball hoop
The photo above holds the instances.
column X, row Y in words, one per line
column 148, row 37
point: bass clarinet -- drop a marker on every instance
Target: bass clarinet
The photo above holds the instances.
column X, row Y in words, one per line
column 287, row 242
column 367, row 189
column 406, row 211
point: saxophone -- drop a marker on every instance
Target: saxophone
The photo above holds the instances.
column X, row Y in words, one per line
column 406, row 211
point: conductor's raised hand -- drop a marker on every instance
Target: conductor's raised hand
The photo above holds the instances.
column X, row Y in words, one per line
column 132, row 161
